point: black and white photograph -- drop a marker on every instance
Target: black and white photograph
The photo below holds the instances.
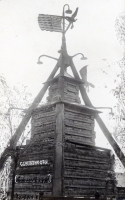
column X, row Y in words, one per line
column 62, row 99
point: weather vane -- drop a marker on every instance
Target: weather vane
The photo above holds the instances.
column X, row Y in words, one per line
column 56, row 23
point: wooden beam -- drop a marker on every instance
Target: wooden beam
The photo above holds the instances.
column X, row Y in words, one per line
column 15, row 160
column 58, row 160
column 13, row 141
column 103, row 127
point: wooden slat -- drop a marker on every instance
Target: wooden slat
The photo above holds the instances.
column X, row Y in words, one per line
column 77, row 111
column 86, row 157
column 76, row 117
column 71, row 123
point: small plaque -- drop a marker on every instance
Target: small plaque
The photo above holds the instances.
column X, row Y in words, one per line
column 33, row 163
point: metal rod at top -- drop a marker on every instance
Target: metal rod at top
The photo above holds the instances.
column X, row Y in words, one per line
column 64, row 18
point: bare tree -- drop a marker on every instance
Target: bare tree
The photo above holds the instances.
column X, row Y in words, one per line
column 13, row 103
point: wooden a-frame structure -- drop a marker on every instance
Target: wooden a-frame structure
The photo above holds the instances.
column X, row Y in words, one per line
column 63, row 62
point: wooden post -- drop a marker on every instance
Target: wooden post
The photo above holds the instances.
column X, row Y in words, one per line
column 15, row 159
column 58, row 161
column 104, row 129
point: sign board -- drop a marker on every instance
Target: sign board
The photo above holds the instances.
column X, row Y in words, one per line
column 33, row 163
column 33, row 178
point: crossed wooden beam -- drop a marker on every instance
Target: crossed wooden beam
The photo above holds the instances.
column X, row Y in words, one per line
column 13, row 141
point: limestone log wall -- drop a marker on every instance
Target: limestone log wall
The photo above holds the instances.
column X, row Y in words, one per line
column 71, row 92
column 36, row 160
column 85, row 170
column 79, row 126
column 35, row 169
column 43, row 124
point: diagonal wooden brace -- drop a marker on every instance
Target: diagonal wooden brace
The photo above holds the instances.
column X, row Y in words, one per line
column 13, row 141
column 103, row 127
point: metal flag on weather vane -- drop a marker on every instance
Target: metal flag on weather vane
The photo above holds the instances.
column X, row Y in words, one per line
column 55, row 23
column 50, row 22
column 83, row 73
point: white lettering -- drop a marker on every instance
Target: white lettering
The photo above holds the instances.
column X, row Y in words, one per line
column 33, row 179
column 34, row 162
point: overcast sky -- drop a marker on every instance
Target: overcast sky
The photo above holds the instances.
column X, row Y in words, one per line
column 22, row 42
